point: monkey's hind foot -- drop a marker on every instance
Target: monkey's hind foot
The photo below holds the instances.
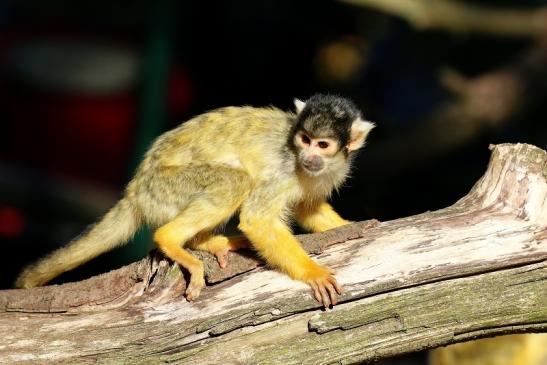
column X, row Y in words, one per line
column 220, row 246
column 194, row 287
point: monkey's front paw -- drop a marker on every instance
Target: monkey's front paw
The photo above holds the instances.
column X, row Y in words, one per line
column 194, row 288
column 324, row 285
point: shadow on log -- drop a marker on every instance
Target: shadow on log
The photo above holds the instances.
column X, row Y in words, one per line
column 477, row 268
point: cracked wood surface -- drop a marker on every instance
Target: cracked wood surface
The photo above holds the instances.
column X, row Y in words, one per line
column 477, row 268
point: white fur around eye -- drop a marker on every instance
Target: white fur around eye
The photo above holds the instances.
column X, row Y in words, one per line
column 331, row 149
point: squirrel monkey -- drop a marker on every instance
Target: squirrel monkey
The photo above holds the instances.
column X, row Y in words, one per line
column 266, row 164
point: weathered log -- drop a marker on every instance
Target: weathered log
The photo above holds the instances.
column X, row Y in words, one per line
column 477, row 268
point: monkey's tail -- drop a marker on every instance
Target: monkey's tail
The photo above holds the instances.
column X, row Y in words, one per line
column 114, row 229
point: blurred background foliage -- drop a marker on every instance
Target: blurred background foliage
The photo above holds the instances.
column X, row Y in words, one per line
column 86, row 86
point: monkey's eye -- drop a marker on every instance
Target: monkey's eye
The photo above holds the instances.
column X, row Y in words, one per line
column 306, row 140
column 323, row 144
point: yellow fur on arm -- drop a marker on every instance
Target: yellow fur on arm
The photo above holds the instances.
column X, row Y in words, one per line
column 277, row 245
column 318, row 217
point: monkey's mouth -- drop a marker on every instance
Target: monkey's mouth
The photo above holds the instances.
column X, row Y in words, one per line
column 313, row 169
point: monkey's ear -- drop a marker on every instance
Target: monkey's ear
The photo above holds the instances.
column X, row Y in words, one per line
column 358, row 134
column 299, row 104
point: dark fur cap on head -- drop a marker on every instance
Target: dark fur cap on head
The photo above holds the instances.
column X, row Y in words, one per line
column 326, row 116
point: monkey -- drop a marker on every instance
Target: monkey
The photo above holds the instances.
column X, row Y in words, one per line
column 268, row 165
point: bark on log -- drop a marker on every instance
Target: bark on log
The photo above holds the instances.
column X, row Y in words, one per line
column 477, row 268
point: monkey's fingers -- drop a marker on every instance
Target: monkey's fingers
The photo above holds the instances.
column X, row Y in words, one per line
column 332, row 293
column 222, row 256
column 325, row 296
column 324, row 292
column 316, row 292
column 335, row 284
column 324, row 285
column 234, row 243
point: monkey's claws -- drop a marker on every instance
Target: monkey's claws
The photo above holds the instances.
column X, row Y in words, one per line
column 325, row 288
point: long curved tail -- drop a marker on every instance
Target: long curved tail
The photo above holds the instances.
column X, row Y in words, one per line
column 114, row 229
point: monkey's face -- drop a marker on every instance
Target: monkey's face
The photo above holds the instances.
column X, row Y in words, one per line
column 328, row 130
column 316, row 155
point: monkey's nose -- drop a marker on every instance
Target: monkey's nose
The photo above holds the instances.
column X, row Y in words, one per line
column 313, row 163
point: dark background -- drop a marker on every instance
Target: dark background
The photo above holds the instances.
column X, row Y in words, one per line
column 85, row 87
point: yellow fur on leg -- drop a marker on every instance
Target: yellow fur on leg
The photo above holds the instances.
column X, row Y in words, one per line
column 318, row 217
column 200, row 215
column 169, row 239
column 219, row 245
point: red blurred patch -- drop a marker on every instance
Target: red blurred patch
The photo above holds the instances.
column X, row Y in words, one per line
column 180, row 91
column 80, row 136
column 11, row 222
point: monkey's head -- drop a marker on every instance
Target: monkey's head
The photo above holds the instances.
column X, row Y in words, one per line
column 328, row 129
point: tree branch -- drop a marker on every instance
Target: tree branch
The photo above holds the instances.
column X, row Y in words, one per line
column 490, row 101
column 457, row 17
column 477, row 268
